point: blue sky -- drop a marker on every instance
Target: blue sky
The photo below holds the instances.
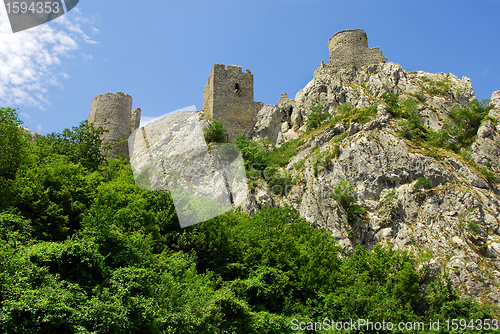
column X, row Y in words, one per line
column 162, row 52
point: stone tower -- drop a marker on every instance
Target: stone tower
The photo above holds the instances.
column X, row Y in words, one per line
column 114, row 113
column 228, row 97
column 350, row 48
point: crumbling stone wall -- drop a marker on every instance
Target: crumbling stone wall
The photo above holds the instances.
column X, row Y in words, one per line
column 350, row 48
column 228, row 97
column 114, row 113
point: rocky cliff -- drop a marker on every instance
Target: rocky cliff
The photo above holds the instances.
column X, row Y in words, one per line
column 397, row 188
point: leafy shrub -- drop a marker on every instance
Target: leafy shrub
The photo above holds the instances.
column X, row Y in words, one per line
column 490, row 118
column 355, row 210
column 432, row 87
column 82, row 144
column 419, row 95
column 13, row 142
column 345, row 108
column 353, row 234
column 264, row 158
column 474, row 226
column 54, row 196
column 281, row 182
column 442, row 302
column 342, row 194
column 336, row 151
column 215, row 132
column 459, row 131
column 14, row 227
column 387, row 204
column 422, row 182
column 347, row 113
column 317, row 117
column 464, row 123
column 300, row 164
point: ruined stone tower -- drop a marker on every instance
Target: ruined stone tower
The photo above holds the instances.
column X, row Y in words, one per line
column 350, row 48
column 228, row 97
column 114, row 113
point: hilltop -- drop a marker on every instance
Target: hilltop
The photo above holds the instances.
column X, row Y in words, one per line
column 411, row 159
column 373, row 196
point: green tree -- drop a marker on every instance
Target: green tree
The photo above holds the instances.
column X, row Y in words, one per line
column 13, row 141
column 343, row 194
column 215, row 132
column 82, row 144
column 464, row 123
column 316, row 117
column 54, row 196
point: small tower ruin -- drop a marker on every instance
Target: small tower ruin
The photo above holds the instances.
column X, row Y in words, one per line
column 114, row 113
column 350, row 48
column 228, row 97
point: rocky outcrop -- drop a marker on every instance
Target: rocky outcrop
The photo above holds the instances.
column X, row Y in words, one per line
column 441, row 207
column 362, row 87
column 171, row 153
column 486, row 148
column 277, row 123
column 33, row 135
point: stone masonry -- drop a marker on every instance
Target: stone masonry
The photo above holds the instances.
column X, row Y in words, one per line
column 350, row 48
column 114, row 113
column 228, row 97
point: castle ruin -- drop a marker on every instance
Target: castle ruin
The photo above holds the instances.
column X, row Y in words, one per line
column 228, row 97
column 228, row 94
column 114, row 113
column 350, row 48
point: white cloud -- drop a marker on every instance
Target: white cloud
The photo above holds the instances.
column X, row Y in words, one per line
column 38, row 127
column 25, row 115
column 29, row 59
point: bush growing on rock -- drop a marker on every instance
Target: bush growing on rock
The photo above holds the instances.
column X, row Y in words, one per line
column 215, row 132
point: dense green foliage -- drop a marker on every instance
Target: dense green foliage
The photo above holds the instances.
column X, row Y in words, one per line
column 433, row 87
column 84, row 250
column 343, row 194
column 215, row 132
column 317, row 116
column 262, row 160
column 458, row 132
column 346, row 113
column 81, row 144
column 12, row 142
column 422, row 182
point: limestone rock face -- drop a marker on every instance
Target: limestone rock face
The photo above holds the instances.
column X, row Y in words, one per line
column 486, row 148
column 33, row 135
column 277, row 123
column 455, row 221
column 171, row 154
column 267, row 121
column 362, row 87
